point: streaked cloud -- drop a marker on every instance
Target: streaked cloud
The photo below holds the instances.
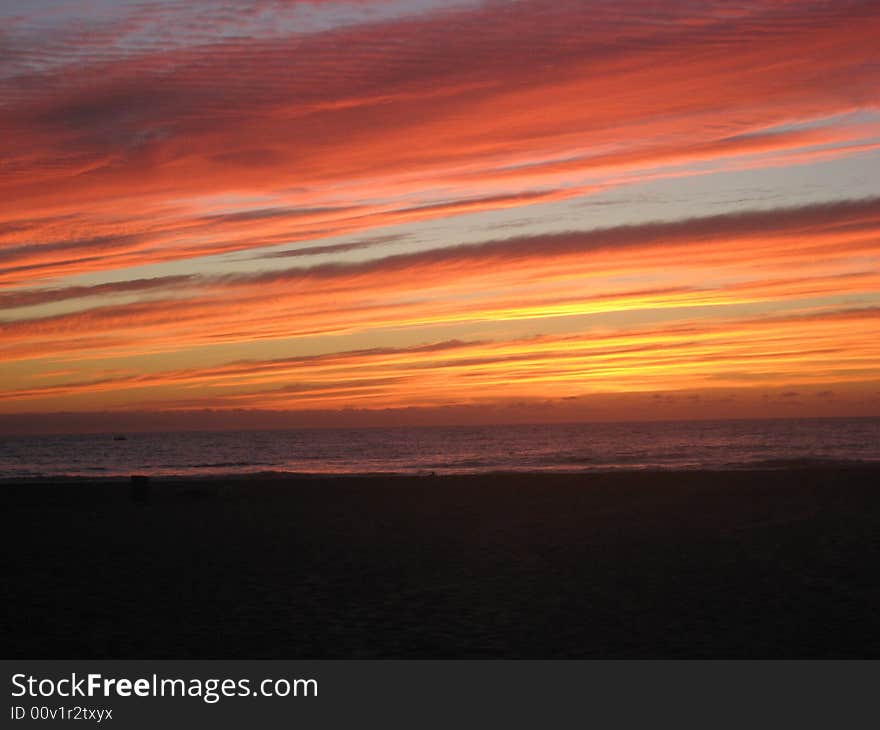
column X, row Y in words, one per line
column 163, row 165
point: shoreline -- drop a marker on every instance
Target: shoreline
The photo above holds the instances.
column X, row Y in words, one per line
column 796, row 465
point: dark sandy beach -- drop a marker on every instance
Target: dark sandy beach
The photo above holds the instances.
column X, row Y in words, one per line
column 767, row 564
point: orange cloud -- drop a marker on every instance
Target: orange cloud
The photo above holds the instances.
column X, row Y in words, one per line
column 143, row 138
column 317, row 120
column 834, row 347
column 818, row 251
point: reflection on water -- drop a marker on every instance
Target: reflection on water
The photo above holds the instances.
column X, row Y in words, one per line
column 560, row 447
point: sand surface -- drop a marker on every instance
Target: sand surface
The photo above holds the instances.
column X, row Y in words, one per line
column 732, row 564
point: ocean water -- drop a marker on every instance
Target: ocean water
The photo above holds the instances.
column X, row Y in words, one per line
column 448, row 450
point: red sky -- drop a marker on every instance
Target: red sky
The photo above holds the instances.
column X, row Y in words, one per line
column 372, row 212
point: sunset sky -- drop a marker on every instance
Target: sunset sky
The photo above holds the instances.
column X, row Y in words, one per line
column 381, row 211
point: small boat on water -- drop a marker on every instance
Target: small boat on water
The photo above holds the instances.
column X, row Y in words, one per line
column 120, row 437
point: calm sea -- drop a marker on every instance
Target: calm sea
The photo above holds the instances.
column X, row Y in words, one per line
column 444, row 450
